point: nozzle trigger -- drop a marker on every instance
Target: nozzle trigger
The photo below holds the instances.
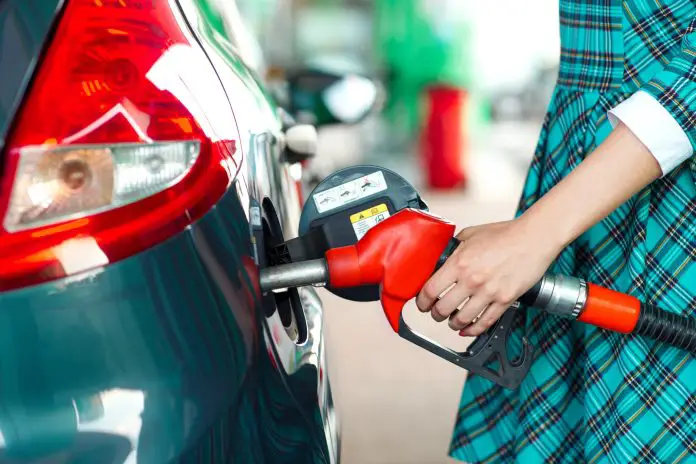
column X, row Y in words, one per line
column 486, row 349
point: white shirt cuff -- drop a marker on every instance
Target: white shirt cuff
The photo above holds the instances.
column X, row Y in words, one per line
column 655, row 127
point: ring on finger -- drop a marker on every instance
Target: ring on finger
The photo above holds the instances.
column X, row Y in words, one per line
column 446, row 290
column 479, row 316
column 456, row 311
column 463, row 303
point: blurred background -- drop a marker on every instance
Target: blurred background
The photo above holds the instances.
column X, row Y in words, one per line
column 462, row 87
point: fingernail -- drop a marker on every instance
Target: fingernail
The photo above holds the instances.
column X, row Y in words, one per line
column 463, row 333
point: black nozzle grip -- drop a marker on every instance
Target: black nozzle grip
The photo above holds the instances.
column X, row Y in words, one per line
column 449, row 249
column 527, row 299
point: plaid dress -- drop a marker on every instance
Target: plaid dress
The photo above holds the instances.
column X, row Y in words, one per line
column 593, row 396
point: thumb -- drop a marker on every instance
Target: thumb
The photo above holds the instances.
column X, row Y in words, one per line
column 469, row 232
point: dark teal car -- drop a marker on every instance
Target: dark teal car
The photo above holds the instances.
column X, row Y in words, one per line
column 144, row 172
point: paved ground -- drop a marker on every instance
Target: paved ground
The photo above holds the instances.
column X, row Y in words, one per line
column 397, row 403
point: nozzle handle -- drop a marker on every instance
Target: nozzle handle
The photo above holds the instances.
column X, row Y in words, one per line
column 604, row 308
column 487, row 356
column 400, row 254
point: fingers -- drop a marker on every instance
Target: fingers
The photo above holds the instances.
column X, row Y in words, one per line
column 466, row 315
column 449, row 302
column 442, row 280
column 489, row 317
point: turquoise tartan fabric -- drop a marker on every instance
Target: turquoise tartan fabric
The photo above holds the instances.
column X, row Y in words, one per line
column 593, row 396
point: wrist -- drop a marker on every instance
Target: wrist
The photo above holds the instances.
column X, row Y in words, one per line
column 617, row 169
column 542, row 226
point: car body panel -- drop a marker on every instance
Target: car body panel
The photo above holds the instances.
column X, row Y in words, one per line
column 161, row 349
column 24, row 26
column 172, row 354
column 267, row 178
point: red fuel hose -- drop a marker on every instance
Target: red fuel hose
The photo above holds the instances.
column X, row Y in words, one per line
column 618, row 312
column 610, row 310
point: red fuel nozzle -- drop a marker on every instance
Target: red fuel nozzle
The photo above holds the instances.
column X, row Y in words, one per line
column 400, row 254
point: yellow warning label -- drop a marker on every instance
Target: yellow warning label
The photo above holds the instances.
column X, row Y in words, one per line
column 363, row 221
column 368, row 213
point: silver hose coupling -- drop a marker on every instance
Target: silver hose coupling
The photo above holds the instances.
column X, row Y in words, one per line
column 562, row 295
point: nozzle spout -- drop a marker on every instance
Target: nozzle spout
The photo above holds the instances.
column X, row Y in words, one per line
column 311, row 272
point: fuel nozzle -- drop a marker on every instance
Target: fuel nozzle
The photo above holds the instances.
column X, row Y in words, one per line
column 399, row 255
column 402, row 252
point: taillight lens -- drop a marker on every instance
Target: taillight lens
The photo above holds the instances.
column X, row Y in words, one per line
column 124, row 139
column 54, row 184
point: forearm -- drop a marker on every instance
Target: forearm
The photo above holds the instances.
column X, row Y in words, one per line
column 618, row 169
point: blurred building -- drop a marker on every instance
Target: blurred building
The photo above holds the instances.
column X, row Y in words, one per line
column 502, row 52
column 421, row 43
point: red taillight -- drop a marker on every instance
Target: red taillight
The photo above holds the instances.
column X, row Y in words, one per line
column 124, row 139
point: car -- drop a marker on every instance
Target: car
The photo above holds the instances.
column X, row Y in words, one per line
column 145, row 171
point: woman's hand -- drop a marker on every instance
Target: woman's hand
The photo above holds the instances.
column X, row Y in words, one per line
column 497, row 263
column 494, row 265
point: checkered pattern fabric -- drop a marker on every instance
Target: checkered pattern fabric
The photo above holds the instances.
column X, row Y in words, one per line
column 593, row 396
